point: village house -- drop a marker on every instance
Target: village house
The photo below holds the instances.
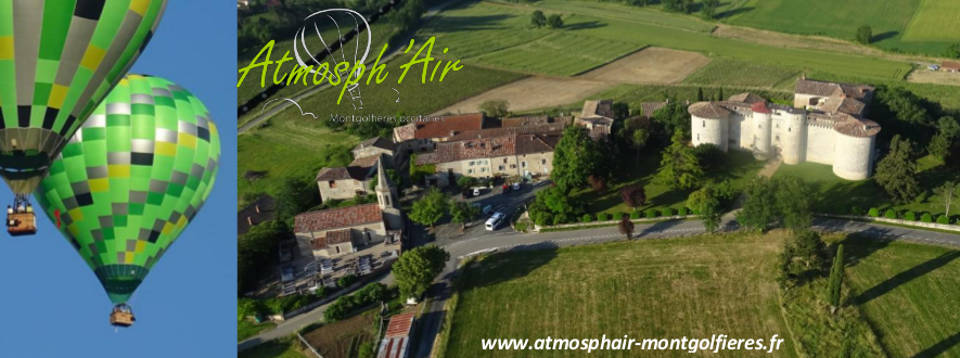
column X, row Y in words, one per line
column 373, row 148
column 597, row 117
column 525, row 155
column 336, row 232
column 342, row 183
column 421, row 136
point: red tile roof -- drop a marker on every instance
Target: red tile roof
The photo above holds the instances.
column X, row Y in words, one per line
column 324, row 220
column 513, row 144
column 400, row 325
column 951, row 65
column 447, row 126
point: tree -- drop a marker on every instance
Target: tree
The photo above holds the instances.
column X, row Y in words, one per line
column 465, row 182
column 679, row 166
column 462, row 213
column 495, row 108
column 706, row 204
column 759, row 207
column 575, row 158
column 555, row 21
column 257, row 251
column 625, row 226
column 599, row 184
column 674, row 118
column 794, row 200
column 953, row 51
column 896, row 172
column 947, row 191
column 803, row 258
column 554, row 206
column 537, row 19
column 295, row 196
column 948, row 131
column 429, row 209
column 864, row 34
column 836, row 279
column 415, row 270
column 699, row 94
column 633, row 195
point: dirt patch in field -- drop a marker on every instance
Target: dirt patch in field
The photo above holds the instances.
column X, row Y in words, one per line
column 935, row 77
column 532, row 93
column 342, row 339
column 653, row 65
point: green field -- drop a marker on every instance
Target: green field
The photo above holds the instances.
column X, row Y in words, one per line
column 935, row 20
column 247, row 329
column 690, row 287
column 280, row 348
column 739, row 167
column 724, row 72
column 908, row 292
column 915, row 26
column 840, row 196
column 295, row 145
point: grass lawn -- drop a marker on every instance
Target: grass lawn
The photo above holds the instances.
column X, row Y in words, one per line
column 293, row 145
column 738, row 166
column 247, row 329
column 908, row 293
column 840, row 196
column 280, row 348
column 690, row 287
column 935, row 20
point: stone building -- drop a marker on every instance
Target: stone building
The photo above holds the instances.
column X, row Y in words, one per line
column 340, row 231
column 826, row 125
column 342, row 183
column 597, row 117
column 421, row 136
column 510, row 155
column 373, row 148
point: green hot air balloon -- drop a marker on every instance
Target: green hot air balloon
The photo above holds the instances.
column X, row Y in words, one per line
column 58, row 59
column 130, row 180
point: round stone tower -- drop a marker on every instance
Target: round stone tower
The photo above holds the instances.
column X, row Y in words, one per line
column 854, row 147
column 709, row 124
column 793, row 134
column 761, row 119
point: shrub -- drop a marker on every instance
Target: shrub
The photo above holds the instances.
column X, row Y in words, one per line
column 890, row 214
column 855, row 210
column 633, row 196
column 667, row 212
column 910, row 215
column 683, row 211
column 943, row 219
column 346, row 280
column 650, row 213
column 603, row 217
column 635, row 215
column 874, row 213
column 927, row 218
column 586, row 218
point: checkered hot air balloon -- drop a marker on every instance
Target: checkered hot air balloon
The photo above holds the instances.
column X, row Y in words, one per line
column 58, row 59
column 131, row 179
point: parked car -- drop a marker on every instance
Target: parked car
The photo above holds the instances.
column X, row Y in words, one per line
column 476, row 191
column 516, row 186
column 494, row 221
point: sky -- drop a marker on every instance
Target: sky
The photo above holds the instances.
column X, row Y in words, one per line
column 53, row 305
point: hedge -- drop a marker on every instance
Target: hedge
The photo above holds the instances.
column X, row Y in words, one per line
column 650, row 213
column 927, row 218
column 603, row 217
column 667, row 212
column 874, row 212
column 910, row 215
column 683, row 211
column 635, row 215
column 943, row 219
column 890, row 214
column 586, row 218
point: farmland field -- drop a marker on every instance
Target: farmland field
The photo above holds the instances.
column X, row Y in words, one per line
column 908, row 293
column 742, row 73
column 690, row 287
column 935, row 20
column 650, row 65
column 343, row 339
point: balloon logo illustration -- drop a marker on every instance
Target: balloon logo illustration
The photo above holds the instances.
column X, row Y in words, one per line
column 58, row 59
column 130, row 180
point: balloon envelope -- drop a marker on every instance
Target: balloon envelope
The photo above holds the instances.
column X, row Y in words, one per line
column 132, row 178
column 58, row 59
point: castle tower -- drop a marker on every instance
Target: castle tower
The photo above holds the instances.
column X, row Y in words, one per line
column 384, row 190
column 853, row 151
column 793, row 134
column 762, row 118
column 709, row 124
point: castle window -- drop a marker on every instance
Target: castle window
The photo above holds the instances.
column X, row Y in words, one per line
column 788, row 129
column 704, row 123
column 501, row 167
column 778, row 138
column 332, row 183
column 543, row 161
column 698, row 136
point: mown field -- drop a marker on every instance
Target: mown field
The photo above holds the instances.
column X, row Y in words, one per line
column 690, row 287
column 294, row 145
column 840, row 196
column 908, row 293
column 900, row 292
column 724, row 72
column 916, row 26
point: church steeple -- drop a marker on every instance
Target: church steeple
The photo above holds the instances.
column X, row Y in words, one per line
column 384, row 190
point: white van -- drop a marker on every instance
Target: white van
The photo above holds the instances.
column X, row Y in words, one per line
column 494, row 221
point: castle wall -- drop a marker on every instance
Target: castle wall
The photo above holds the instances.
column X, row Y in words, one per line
column 790, row 134
column 761, row 139
column 852, row 160
column 820, row 144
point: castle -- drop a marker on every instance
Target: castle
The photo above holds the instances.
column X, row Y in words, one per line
column 826, row 125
